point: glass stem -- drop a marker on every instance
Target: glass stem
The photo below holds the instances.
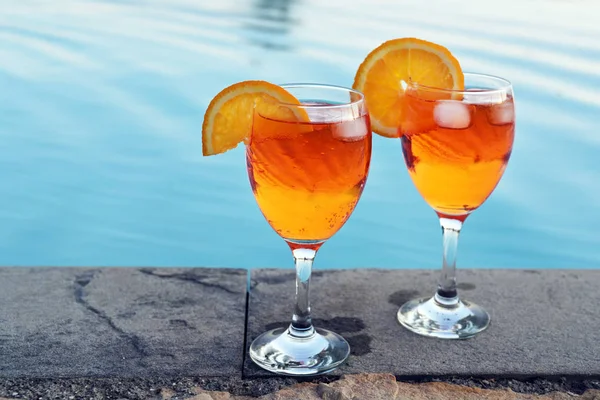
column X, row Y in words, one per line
column 301, row 325
column 446, row 293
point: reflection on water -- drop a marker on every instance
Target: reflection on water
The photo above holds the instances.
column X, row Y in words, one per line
column 270, row 24
column 101, row 104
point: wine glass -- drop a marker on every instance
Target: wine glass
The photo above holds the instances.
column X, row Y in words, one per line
column 307, row 164
column 456, row 145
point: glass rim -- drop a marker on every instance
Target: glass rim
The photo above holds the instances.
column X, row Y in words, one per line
column 359, row 100
column 506, row 85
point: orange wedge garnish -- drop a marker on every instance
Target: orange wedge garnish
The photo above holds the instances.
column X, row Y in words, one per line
column 228, row 118
column 383, row 75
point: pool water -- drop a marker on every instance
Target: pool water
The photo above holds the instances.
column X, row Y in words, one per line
column 101, row 106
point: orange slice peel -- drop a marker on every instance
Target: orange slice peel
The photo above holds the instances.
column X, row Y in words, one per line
column 385, row 73
column 228, row 118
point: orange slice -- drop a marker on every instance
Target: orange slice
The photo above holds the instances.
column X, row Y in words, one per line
column 383, row 75
column 228, row 118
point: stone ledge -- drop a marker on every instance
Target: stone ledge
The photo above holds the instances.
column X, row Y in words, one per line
column 544, row 322
column 154, row 333
column 121, row 322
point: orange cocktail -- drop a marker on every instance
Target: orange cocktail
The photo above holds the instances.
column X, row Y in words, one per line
column 308, row 176
column 308, row 162
column 457, row 131
column 456, row 151
column 456, row 146
column 308, row 154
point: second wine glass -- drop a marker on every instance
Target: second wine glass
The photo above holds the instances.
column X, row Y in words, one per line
column 456, row 145
column 307, row 165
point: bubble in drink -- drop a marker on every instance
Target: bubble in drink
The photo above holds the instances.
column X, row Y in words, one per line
column 452, row 114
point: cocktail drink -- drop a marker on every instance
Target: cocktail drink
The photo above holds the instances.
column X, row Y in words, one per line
column 456, row 150
column 308, row 176
column 457, row 131
column 456, row 146
column 308, row 155
column 307, row 164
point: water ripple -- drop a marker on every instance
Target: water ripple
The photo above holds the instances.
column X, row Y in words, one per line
column 102, row 102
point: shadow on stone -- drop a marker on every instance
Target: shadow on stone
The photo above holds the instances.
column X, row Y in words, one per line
column 402, row 296
column 359, row 344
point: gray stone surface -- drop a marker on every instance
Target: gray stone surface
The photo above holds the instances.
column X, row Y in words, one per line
column 544, row 322
column 121, row 322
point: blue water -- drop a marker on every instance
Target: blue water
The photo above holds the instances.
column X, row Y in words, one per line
column 101, row 105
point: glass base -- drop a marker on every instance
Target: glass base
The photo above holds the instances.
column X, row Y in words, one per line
column 443, row 318
column 282, row 352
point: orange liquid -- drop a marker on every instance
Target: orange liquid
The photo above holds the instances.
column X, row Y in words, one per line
column 308, row 177
column 456, row 156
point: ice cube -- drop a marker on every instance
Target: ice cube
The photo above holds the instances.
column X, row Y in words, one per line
column 501, row 114
column 350, row 131
column 452, row 114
